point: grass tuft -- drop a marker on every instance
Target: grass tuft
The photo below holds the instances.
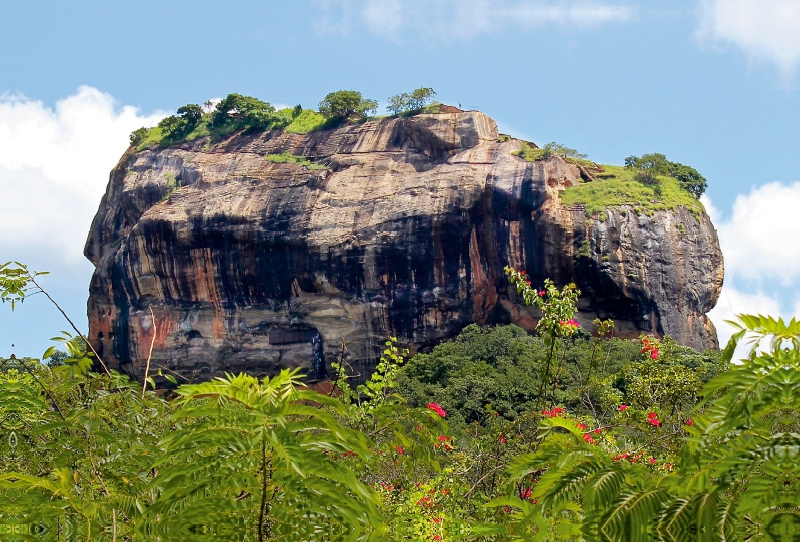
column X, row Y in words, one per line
column 287, row 157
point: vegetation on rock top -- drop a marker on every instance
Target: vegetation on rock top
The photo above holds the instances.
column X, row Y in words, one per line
column 647, row 184
column 237, row 112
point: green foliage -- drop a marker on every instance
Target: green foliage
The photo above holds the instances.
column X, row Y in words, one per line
column 737, row 471
column 245, row 112
column 638, row 440
column 287, row 157
column 651, row 166
column 535, row 154
column 409, row 103
column 173, row 184
column 306, row 122
column 138, row 136
column 344, row 104
column 618, row 186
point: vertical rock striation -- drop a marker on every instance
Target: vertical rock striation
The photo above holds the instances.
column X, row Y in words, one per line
column 251, row 265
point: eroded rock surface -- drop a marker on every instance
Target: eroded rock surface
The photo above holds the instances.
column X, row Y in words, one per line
column 253, row 266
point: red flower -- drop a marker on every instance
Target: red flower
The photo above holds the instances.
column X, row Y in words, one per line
column 527, row 493
column 437, row 409
column 437, row 537
column 588, row 438
column 528, row 282
column 581, row 426
column 522, row 272
column 689, row 422
column 623, row 407
column 400, row 450
column 437, row 520
column 652, row 460
column 654, row 353
column 503, row 439
column 542, row 293
column 597, row 431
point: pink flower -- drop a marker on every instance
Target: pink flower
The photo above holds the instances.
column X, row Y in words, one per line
column 437, row 409
column 503, row 439
column 652, row 460
column 588, row 438
column 527, row 493
column 542, row 293
column 622, row 407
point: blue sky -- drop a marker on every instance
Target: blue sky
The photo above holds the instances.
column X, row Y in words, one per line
column 710, row 83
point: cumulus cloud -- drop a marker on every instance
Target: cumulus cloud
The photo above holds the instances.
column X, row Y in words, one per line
column 459, row 19
column 54, row 168
column 759, row 237
column 764, row 30
column 733, row 301
column 762, row 268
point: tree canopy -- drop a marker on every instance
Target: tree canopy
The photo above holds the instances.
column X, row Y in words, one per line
column 344, row 104
column 651, row 165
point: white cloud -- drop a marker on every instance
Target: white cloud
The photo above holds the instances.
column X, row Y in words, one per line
column 462, row 19
column 759, row 239
column 732, row 302
column 765, row 30
column 762, row 266
column 54, row 169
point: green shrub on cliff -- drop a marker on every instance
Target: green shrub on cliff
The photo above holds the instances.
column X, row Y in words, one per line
column 344, row 104
column 306, row 121
column 409, row 103
column 617, row 186
column 652, row 165
column 287, row 157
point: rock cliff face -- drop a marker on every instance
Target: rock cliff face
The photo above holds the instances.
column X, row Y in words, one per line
column 254, row 265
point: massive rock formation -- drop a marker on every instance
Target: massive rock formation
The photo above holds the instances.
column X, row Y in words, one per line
column 252, row 265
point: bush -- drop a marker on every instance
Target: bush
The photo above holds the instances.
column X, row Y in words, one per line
column 287, row 157
column 138, row 135
column 344, row 104
column 246, row 112
column 652, row 165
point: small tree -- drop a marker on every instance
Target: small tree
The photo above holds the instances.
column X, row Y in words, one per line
column 409, row 102
column 248, row 111
column 345, row 104
column 557, row 148
column 689, row 178
column 138, row 135
column 651, row 165
column 191, row 113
